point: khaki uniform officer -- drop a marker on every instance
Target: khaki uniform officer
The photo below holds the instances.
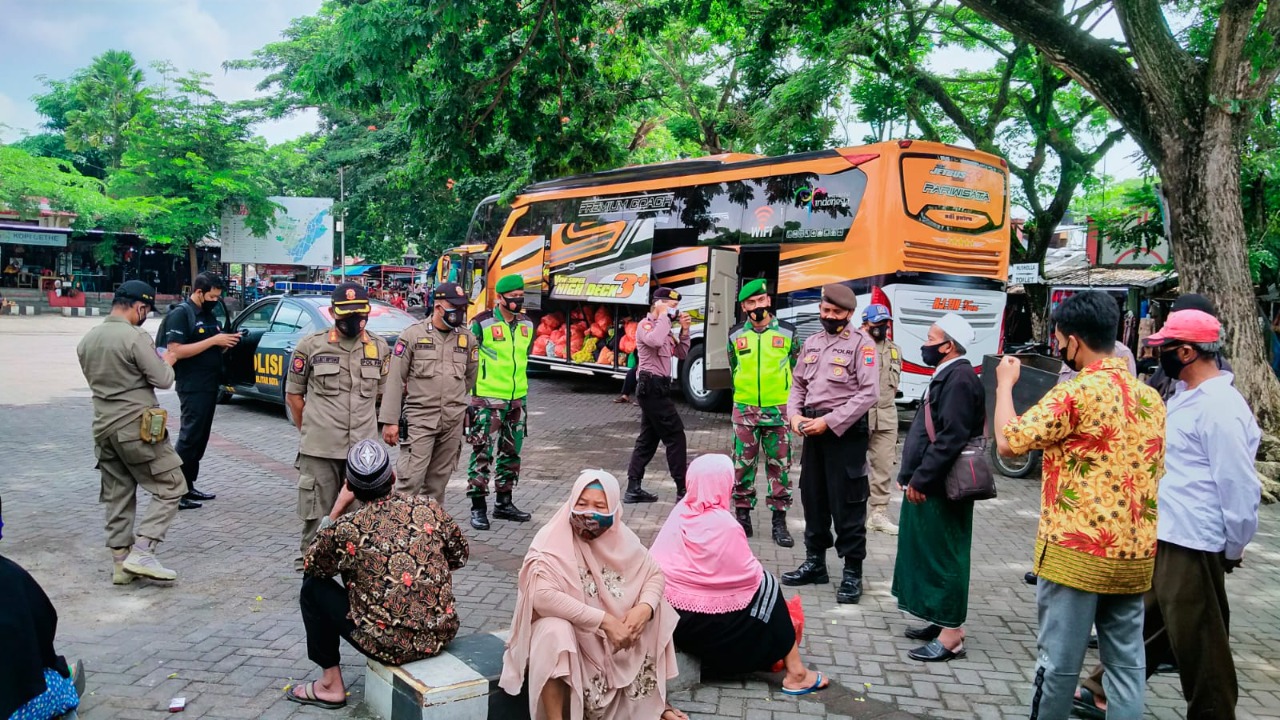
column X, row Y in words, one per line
column 835, row 384
column 883, row 418
column 332, row 389
column 120, row 363
column 433, row 367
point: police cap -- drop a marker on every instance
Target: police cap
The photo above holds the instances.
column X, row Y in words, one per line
column 840, row 295
column 137, row 291
column 350, row 299
column 451, row 293
column 665, row 293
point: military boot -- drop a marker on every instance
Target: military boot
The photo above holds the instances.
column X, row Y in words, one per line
column 120, row 576
column 744, row 519
column 850, row 591
column 504, row 509
column 636, row 494
column 781, row 536
column 480, row 513
column 813, row 571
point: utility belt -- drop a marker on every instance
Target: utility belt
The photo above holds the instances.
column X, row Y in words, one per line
column 812, row 412
column 648, row 383
column 860, row 428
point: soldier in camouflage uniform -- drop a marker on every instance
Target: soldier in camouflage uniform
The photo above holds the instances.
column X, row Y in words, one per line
column 762, row 355
column 504, row 336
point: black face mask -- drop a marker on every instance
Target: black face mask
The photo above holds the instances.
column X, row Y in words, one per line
column 931, row 354
column 1062, row 355
column 877, row 332
column 350, row 325
column 453, row 317
column 758, row 314
column 1170, row 363
column 514, row 305
column 833, row 325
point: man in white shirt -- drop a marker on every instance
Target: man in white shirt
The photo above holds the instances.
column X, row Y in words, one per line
column 1208, row 513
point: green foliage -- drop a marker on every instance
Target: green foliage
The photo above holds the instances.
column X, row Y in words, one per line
column 108, row 96
column 27, row 180
column 195, row 154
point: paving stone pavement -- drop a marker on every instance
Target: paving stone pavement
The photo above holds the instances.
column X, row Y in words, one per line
column 228, row 637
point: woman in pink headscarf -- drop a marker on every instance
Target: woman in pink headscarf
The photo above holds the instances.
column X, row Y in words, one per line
column 732, row 613
column 591, row 630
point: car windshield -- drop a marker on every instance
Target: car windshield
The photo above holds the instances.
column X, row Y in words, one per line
column 382, row 318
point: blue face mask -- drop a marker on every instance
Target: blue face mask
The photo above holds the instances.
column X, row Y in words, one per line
column 590, row 524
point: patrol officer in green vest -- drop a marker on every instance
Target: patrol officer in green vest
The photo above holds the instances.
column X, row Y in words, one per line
column 504, row 336
column 762, row 354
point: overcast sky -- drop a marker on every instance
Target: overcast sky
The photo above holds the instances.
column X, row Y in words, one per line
column 55, row 37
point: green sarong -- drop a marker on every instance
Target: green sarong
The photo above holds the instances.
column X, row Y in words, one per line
column 931, row 573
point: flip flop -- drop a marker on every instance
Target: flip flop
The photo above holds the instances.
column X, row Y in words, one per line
column 817, row 685
column 309, row 698
column 1084, row 706
column 620, row 399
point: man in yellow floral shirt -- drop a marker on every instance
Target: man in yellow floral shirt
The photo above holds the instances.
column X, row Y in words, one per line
column 1102, row 434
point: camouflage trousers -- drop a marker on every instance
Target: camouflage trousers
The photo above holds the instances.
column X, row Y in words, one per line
column 748, row 441
column 508, row 420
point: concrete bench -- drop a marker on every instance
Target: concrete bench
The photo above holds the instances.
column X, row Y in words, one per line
column 461, row 683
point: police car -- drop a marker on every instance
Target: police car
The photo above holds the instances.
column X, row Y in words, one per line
column 272, row 327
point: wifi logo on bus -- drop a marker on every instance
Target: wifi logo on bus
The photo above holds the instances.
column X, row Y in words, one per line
column 764, row 222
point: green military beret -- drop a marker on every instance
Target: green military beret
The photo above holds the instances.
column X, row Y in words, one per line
column 751, row 289
column 509, row 283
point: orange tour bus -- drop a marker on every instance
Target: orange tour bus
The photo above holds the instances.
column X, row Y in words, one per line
column 920, row 227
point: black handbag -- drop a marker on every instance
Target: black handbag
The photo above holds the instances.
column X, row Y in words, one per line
column 970, row 476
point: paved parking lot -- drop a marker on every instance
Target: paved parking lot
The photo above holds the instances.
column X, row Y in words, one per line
column 227, row 635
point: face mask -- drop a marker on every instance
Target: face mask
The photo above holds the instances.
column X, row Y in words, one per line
column 590, row 525
column 1170, row 363
column 453, row 317
column 759, row 314
column 141, row 316
column 877, row 332
column 673, row 314
column 1062, row 355
column 832, row 325
column 513, row 304
column 349, row 326
column 931, row 355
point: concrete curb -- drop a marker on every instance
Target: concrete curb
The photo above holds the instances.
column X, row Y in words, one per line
column 22, row 310
column 80, row 312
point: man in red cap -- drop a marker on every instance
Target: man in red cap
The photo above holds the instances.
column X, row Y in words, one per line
column 1208, row 505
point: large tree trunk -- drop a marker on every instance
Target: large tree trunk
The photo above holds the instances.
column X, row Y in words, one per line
column 191, row 263
column 1201, row 173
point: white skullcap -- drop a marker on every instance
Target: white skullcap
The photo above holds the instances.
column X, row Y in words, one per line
column 957, row 328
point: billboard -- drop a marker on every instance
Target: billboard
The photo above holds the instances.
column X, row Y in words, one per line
column 301, row 234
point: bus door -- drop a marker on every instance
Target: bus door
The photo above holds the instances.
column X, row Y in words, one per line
column 722, row 299
column 473, row 281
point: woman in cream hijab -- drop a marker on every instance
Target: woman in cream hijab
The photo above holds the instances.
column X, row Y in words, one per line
column 591, row 631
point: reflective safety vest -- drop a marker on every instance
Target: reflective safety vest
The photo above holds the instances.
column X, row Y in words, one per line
column 504, row 356
column 762, row 368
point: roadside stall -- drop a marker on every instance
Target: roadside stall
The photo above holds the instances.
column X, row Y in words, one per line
column 1137, row 291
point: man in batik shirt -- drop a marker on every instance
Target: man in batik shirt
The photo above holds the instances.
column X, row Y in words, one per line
column 395, row 555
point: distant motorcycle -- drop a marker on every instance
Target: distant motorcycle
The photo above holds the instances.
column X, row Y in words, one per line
column 415, row 299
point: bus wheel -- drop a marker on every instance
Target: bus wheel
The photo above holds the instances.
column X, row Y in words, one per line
column 691, row 383
column 1022, row 466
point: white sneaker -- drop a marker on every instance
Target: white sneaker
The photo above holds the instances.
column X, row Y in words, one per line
column 120, row 576
column 880, row 521
column 143, row 562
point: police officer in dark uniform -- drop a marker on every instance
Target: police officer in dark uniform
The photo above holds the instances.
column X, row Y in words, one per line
column 659, row 420
column 193, row 336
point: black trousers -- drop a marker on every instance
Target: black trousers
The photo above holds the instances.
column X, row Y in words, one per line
column 325, row 606
column 193, row 438
column 659, row 421
column 834, row 490
column 629, row 383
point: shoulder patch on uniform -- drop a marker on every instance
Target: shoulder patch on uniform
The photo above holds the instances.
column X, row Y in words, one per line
column 779, row 341
column 869, row 356
column 475, row 354
column 399, row 350
column 299, row 364
column 647, row 325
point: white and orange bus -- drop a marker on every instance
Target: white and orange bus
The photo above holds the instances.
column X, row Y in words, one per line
column 918, row 226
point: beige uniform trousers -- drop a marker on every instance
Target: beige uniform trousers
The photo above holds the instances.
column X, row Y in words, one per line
column 427, row 460
column 127, row 463
column 882, row 454
column 319, row 481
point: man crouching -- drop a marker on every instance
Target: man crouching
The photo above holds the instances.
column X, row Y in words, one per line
column 395, row 554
